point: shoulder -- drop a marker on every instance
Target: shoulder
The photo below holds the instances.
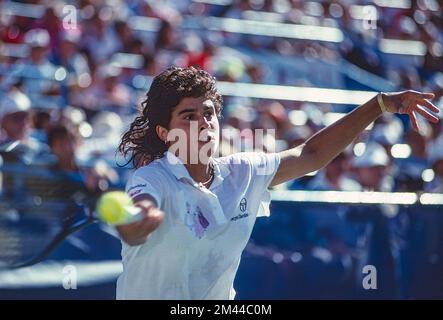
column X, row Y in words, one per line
column 150, row 179
column 153, row 173
column 247, row 157
column 236, row 158
column 237, row 163
column 254, row 160
column 152, row 168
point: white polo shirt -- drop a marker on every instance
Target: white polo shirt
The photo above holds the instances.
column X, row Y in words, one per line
column 195, row 252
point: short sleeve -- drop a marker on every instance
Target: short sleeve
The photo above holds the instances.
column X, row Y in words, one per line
column 141, row 182
column 264, row 166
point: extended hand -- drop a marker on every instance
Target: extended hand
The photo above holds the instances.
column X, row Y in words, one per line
column 409, row 102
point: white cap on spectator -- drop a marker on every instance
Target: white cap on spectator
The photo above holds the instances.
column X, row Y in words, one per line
column 373, row 156
column 37, row 38
column 14, row 101
column 388, row 133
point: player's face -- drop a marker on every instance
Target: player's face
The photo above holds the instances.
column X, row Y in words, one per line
column 194, row 121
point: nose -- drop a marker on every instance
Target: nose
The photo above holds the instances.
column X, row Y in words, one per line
column 204, row 124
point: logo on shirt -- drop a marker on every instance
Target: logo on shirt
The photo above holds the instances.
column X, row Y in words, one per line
column 240, row 216
column 137, row 186
column 196, row 221
column 134, row 193
column 243, row 205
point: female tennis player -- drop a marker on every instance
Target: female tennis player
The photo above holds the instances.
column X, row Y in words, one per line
column 199, row 211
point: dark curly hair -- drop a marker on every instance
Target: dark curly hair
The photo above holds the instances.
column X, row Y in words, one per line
column 141, row 144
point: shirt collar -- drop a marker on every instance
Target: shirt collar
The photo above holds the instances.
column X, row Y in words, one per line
column 176, row 166
column 221, row 170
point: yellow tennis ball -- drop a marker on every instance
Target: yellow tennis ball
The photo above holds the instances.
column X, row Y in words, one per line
column 111, row 207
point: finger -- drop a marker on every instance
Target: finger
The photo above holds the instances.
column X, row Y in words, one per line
column 154, row 213
column 408, row 104
column 149, row 226
column 153, row 218
column 426, row 114
column 149, row 214
column 427, row 95
column 413, row 119
column 145, row 207
column 429, row 105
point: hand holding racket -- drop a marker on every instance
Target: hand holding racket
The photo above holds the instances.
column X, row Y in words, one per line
column 30, row 232
column 133, row 222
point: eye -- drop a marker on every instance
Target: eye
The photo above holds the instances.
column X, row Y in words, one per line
column 208, row 114
column 188, row 117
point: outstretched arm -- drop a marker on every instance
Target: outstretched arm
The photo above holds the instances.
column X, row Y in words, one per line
column 326, row 144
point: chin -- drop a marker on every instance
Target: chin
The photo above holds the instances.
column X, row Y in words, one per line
column 207, row 149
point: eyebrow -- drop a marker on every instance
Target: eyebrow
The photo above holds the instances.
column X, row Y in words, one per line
column 186, row 111
column 206, row 107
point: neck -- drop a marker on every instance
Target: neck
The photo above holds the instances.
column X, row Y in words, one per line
column 200, row 172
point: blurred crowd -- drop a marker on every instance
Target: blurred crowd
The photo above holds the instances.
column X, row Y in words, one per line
column 72, row 80
column 88, row 69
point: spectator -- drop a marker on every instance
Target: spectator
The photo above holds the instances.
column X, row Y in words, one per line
column 41, row 125
column 371, row 168
column 52, row 24
column 100, row 40
column 107, row 93
column 15, row 120
column 17, row 146
column 36, row 73
column 64, row 144
column 333, row 176
column 15, row 116
column 69, row 55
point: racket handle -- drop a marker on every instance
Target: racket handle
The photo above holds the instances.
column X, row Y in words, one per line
column 131, row 214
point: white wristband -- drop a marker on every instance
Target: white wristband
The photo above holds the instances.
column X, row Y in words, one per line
column 381, row 103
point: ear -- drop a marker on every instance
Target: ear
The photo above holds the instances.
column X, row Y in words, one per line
column 162, row 133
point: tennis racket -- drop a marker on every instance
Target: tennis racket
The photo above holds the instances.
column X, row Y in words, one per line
column 35, row 220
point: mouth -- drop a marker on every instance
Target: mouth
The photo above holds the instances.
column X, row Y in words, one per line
column 205, row 138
